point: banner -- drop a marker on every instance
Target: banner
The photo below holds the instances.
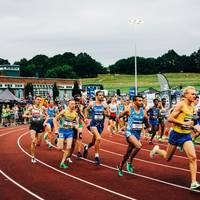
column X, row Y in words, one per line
column 132, row 92
column 164, row 84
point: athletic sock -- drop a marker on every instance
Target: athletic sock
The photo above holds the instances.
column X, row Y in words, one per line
column 96, row 155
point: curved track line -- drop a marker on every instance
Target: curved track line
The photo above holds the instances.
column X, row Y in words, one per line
column 182, row 157
column 153, row 163
column 12, row 131
column 71, row 176
column 146, row 177
column 22, row 187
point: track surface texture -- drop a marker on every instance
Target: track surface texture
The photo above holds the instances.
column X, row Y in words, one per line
column 152, row 179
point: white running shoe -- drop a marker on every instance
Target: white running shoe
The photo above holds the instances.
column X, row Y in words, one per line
column 153, row 151
column 195, row 185
column 33, row 160
column 69, row 160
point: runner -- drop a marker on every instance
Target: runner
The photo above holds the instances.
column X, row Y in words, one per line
column 68, row 121
column 52, row 111
column 181, row 117
column 137, row 116
column 99, row 110
column 163, row 117
column 113, row 108
column 78, row 134
column 121, row 122
column 37, row 114
column 154, row 115
column 196, row 117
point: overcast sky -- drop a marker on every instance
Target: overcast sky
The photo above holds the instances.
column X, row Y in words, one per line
column 98, row 27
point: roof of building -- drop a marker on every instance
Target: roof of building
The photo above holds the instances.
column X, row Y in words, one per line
column 35, row 80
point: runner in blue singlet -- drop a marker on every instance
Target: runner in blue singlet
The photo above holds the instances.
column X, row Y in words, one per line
column 96, row 125
column 136, row 117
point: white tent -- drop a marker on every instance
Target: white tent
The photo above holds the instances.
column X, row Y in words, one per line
column 6, row 97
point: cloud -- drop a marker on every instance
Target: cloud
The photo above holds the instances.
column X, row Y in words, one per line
column 99, row 28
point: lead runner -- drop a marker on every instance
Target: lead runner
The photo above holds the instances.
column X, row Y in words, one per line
column 180, row 136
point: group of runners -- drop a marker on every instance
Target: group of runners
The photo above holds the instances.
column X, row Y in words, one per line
column 133, row 117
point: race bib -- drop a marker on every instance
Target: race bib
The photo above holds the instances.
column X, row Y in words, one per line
column 68, row 124
column 137, row 126
column 98, row 117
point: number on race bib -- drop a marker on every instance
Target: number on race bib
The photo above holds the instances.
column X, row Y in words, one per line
column 137, row 126
column 98, row 117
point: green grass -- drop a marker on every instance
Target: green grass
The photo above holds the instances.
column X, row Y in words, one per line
column 124, row 82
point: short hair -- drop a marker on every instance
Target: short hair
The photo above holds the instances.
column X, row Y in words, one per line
column 185, row 90
column 71, row 99
column 137, row 96
column 99, row 91
column 155, row 100
column 37, row 96
column 163, row 99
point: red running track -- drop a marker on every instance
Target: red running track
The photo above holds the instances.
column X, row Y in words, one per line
column 152, row 179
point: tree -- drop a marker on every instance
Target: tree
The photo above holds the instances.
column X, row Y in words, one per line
column 118, row 92
column 86, row 66
column 3, row 62
column 76, row 90
column 65, row 71
column 28, row 88
column 55, row 91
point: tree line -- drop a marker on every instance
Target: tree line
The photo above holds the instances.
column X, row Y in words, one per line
column 69, row 65
column 169, row 62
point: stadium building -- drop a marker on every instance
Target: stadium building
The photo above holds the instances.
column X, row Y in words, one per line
column 9, row 78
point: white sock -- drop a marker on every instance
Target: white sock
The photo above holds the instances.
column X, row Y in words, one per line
column 96, row 155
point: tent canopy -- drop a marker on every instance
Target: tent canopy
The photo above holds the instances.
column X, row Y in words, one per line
column 6, row 97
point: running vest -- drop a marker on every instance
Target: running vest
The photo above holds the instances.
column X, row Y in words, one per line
column 163, row 113
column 154, row 113
column 68, row 121
column 51, row 112
column 184, row 116
column 121, row 108
column 98, row 113
column 135, row 120
column 37, row 116
column 113, row 108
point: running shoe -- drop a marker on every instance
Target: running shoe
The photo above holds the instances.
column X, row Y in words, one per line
column 195, row 185
column 79, row 155
column 180, row 148
column 56, row 141
column 45, row 136
column 50, row 145
column 33, row 160
column 160, row 140
column 69, row 160
column 120, row 173
column 97, row 160
column 153, row 151
column 129, row 167
column 63, row 165
column 150, row 142
column 85, row 151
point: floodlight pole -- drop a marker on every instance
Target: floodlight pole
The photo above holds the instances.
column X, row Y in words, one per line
column 135, row 22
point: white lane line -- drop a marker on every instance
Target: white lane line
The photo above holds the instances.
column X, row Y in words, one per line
column 22, row 187
column 12, row 131
column 71, row 176
column 149, row 162
column 182, row 157
column 145, row 177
